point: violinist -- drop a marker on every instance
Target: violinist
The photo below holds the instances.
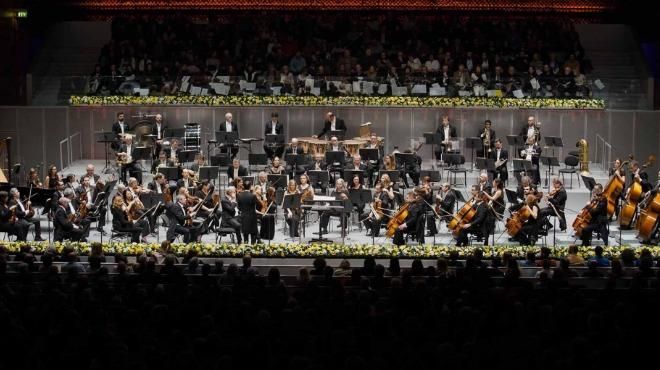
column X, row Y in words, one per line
column 557, row 198
column 63, row 227
column 247, row 206
column 389, row 192
column 230, row 216
column 24, row 214
column 375, row 217
column 528, row 233
column 177, row 213
column 478, row 225
column 340, row 193
column 7, row 219
column 78, row 212
column 292, row 214
column 92, row 201
column 123, row 222
column 500, row 156
column 598, row 222
column 162, row 161
column 33, row 179
column 203, row 193
column 159, row 184
column 52, row 177
column 414, row 222
column 187, row 180
column 305, row 188
column 267, row 231
column 276, row 167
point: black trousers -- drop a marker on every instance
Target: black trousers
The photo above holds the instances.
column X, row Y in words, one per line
column 371, row 224
column 27, row 222
column 549, row 211
column 235, row 224
column 587, row 233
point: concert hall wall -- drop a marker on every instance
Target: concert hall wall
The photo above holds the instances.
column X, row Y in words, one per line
column 59, row 135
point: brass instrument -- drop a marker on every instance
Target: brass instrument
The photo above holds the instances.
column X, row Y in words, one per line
column 486, row 141
column 583, row 156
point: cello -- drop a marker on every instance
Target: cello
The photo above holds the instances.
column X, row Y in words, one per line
column 398, row 219
column 584, row 216
column 515, row 223
column 462, row 217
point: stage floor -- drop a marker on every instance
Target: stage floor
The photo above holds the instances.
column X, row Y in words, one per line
column 577, row 198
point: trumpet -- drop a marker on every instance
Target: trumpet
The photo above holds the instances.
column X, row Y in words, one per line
column 486, row 140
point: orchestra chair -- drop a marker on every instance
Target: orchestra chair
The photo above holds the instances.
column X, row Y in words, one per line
column 120, row 235
column 6, row 236
column 224, row 231
column 456, row 166
column 571, row 163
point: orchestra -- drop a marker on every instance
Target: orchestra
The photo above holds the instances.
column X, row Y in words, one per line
column 253, row 206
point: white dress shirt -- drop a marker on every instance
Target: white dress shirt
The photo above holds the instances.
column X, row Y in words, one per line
column 229, row 126
column 333, row 125
column 273, row 129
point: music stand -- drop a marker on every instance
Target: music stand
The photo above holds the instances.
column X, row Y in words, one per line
column 459, row 197
column 553, row 142
column 105, row 138
column 339, row 134
column 209, row 173
column 170, row 173
column 227, row 139
column 433, row 174
column 174, row 132
column 274, row 139
column 487, row 164
column 221, row 160
column 369, row 154
column 348, row 176
column 319, row 177
column 589, row 182
column 521, row 165
column 511, row 196
column 278, row 181
column 186, row 156
column 332, row 157
column 473, row 143
column 394, row 175
column 550, row 162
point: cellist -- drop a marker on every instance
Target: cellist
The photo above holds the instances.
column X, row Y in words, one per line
column 478, row 224
column 598, row 221
column 414, row 223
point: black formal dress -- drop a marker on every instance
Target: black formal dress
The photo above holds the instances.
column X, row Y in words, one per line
column 121, row 223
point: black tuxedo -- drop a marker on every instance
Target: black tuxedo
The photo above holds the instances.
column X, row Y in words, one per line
column 414, row 224
column 273, row 149
column 441, row 131
column 154, row 130
column 247, row 206
column 327, row 125
column 242, row 171
column 447, row 205
column 229, row 218
column 177, row 219
column 18, row 229
column 559, row 202
column 132, row 168
column 64, row 228
column 598, row 223
column 116, row 129
column 234, row 128
column 478, row 226
column 500, row 171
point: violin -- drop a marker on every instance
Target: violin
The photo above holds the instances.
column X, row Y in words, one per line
column 398, row 219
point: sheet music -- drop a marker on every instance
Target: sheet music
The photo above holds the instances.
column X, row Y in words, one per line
column 323, row 198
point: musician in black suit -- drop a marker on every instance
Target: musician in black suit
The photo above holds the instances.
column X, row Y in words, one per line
column 162, row 161
column 500, row 154
column 532, row 153
column 120, row 221
column 177, row 214
column 557, row 197
column 274, row 127
column 372, row 166
column 447, row 132
column 119, row 128
column 478, row 224
column 132, row 167
column 356, row 164
column 23, row 219
column 230, row 126
column 332, row 123
column 12, row 228
column 531, row 129
column 89, row 172
column 318, row 164
column 447, row 199
column 158, row 129
column 638, row 174
column 414, row 223
column 64, row 228
column 95, row 204
column 486, row 133
column 230, row 216
column 236, row 170
column 247, row 206
column 294, row 149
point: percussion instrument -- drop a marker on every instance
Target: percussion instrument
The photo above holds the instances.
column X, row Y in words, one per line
column 142, row 133
column 353, row 146
column 192, row 136
column 317, row 146
column 304, row 143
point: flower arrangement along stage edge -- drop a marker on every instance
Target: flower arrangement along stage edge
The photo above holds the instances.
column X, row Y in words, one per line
column 366, row 101
column 305, row 250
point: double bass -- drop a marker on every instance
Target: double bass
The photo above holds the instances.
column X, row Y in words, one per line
column 633, row 196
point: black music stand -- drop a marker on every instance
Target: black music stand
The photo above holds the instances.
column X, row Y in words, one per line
column 227, row 139
column 369, row 154
column 521, row 166
column 210, row 173
column 487, row 164
column 221, row 160
column 433, row 174
column 511, row 196
column 339, row 134
column 394, row 175
column 459, row 198
column 319, row 177
column 257, row 159
column 553, row 142
column 589, row 182
column 473, row 143
column 248, row 178
column 278, row 181
column 105, row 138
column 174, row 132
column 170, row 173
column 403, row 159
column 274, row 139
column 348, row 176
column 292, row 201
column 332, row 157
column 186, row 156
column 549, row 162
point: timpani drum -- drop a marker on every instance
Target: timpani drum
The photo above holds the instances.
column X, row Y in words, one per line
column 317, row 146
column 353, row 146
column 304, row 143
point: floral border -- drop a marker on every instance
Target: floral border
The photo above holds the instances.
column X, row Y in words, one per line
column 376, row 101
column 294, row 250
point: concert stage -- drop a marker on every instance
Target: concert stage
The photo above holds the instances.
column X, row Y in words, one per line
column 577, row 198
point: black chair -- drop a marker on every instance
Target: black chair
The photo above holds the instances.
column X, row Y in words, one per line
column 119, row 235
column 571, row 163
